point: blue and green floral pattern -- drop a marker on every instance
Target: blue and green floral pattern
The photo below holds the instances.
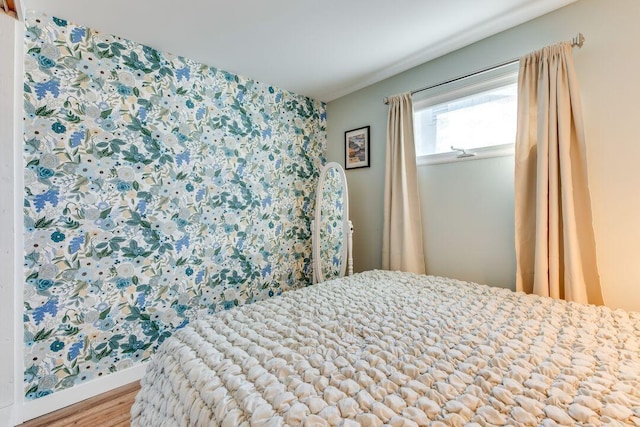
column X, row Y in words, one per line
column 156, row 189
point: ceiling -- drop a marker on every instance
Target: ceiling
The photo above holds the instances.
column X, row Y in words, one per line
column 322, row 49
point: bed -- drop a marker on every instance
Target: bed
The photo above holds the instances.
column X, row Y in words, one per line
column 390, row 348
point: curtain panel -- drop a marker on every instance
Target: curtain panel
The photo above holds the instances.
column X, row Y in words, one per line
column 555, row 244
column 402, row 247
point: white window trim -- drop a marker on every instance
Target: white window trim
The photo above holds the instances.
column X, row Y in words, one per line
column 490, row 79
column 479, row 153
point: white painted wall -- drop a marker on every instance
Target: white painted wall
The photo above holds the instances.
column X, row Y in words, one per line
column 468, row 225
column 8, row 317
column 607, row 69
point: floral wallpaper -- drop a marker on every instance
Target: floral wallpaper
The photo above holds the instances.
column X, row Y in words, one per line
column 156, row 189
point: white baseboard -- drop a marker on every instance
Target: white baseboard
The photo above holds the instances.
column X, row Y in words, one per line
column 58, row 400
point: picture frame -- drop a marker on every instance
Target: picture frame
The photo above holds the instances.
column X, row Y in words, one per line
column 356, row 148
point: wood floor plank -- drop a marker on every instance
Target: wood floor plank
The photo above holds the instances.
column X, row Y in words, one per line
column 109, row 409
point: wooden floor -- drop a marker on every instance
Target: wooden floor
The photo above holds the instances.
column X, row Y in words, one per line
column 109, row 409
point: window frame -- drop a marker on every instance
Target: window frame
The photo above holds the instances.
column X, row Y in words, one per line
column 458, row 88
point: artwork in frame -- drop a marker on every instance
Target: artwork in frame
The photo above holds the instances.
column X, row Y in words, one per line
column 356, row 148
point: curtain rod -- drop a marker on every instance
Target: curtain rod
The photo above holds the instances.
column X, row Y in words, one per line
column 576, row 41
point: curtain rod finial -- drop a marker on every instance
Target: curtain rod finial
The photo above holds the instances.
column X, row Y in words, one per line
column 578, row 40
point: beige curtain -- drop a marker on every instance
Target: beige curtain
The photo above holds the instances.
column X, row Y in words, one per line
column 402, row 235
column 555, row 245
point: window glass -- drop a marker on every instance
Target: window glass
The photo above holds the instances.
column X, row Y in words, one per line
column 470, row 114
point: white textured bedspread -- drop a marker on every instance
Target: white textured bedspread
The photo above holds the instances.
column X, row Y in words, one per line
column 382, row 348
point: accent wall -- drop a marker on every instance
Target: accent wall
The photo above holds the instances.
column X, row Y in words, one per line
column 157, row 189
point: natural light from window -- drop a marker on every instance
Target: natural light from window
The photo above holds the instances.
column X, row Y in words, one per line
column 481, row 120
column 476, row 115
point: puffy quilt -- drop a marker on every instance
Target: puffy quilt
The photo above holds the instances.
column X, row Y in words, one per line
column 383, row 348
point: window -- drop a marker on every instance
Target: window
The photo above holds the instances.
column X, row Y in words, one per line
column 477, row 114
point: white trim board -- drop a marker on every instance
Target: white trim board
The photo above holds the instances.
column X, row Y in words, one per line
column 60, row 399
column 476, row 154
column 18, row 223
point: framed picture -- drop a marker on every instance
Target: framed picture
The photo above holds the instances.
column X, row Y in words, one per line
column 356, row 148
